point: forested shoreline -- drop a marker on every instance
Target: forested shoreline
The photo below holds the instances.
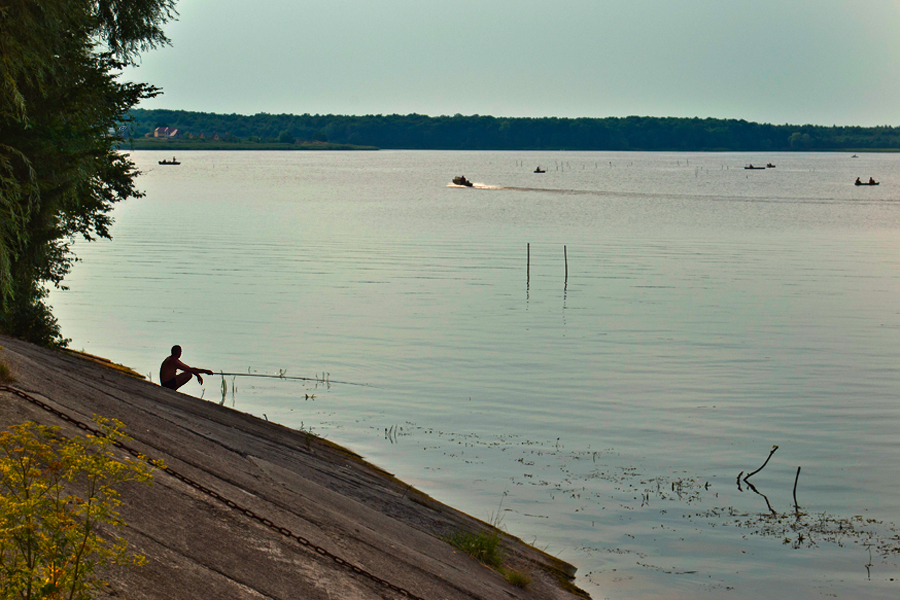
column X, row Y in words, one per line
column 479, row 132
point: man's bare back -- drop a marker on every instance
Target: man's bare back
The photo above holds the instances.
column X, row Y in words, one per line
column 168, row 372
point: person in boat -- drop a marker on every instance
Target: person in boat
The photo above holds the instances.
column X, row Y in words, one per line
column 858, row 182
column 168, row 372
column 871, row 181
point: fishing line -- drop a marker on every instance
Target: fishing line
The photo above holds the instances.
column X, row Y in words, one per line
column 282, row 376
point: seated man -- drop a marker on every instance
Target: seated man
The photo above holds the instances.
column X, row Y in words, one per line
column 168, row 371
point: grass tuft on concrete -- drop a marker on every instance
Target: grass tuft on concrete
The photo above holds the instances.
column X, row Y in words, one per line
column 483, row 546
column 517, row 578
column 6, row 374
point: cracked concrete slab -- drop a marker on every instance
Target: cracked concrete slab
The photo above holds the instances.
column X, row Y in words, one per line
column 199, row 547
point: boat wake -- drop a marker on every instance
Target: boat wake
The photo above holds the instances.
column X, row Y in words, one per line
column 477, row 186
column 667, row 196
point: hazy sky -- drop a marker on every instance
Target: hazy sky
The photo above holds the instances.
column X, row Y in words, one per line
column 777, row 61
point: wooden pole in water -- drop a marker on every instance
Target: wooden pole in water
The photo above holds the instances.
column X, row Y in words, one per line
column 749, row 475
column 566, row 259
column 528, row 263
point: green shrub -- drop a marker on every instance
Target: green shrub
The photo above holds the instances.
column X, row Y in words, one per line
column 483, row 546
column 6, row 375
column 56, row 494
column 517, row 578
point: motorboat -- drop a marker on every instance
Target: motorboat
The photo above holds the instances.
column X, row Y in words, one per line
column 752, row 168
column 169, row 162
column 461, row 180
column 539, row 170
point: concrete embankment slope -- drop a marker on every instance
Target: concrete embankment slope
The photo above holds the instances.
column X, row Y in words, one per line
column 254, row 510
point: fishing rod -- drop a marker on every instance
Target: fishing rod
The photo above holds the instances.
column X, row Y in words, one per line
column 283, row 376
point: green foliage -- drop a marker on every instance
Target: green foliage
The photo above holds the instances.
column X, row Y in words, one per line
column 6, row 374
column 517, row 578
column 56, row 496
column 480, row 132
column 250, row 143
column 483, row 546
column 60, row 106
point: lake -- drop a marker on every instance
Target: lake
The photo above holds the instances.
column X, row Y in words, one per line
column 593, row 357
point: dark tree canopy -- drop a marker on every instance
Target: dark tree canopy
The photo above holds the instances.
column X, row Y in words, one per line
column 481, row 132
column 61, row 105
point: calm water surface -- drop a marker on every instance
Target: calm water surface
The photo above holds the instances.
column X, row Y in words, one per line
column 675, row 318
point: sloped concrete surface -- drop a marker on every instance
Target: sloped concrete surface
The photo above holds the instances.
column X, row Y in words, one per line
column 197, row 547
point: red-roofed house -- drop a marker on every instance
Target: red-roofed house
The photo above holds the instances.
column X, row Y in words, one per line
column 165, row 132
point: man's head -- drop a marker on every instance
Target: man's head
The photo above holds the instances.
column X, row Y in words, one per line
column 176, row 351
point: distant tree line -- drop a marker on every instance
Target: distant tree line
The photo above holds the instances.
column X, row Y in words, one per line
column 478, row 132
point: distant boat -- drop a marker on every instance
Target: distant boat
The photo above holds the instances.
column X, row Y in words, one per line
column 854, row 156
column 461, row 180
column 858, row 182
column 169, row 162
column 539, row 170
column 751, row 167
column 770, row 166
